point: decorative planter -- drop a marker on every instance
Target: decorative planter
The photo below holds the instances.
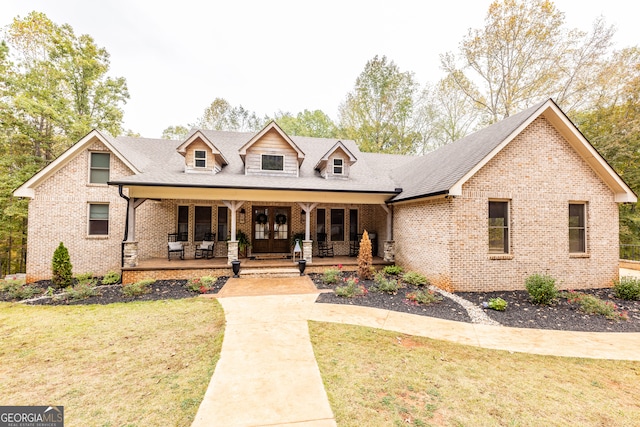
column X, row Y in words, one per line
column 302, row 264
column 235, row 266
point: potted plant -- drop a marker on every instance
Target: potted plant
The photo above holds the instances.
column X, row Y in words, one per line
column 243, row 242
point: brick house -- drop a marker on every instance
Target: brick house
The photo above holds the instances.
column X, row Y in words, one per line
column 526, row 195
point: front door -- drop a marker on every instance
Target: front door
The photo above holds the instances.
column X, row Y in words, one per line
column 271, row 226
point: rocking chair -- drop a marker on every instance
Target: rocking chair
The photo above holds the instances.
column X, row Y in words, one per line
column 324, row 249
column 174, row 246
column 205, row 249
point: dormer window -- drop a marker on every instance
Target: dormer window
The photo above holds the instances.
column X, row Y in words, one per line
column 272, row 162
column 337, row 166
column 200, row 157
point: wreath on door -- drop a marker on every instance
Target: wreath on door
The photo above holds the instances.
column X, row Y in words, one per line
column 281, row 219
column 262, row 219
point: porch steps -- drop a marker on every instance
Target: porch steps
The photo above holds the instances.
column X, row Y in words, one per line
column 270, row 272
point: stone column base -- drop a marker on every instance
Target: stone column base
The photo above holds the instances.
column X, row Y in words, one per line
column 390, row 251
column 232, row 251
column 130, row 254
column 307, row 250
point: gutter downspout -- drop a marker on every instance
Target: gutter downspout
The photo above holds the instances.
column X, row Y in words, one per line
column 126, row 225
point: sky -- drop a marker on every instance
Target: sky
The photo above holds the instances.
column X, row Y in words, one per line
column 275, row 56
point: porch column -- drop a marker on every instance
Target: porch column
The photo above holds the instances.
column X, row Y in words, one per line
column 130, row 246
column 307, row 243
column 389, row 244
column 232, row 245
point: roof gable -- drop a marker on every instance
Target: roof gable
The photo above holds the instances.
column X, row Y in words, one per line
column 269, row 127
column 199, row 136
column 337, row 146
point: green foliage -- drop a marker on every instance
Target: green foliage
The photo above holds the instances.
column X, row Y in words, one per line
column 220, row 115
column 590, row 304
column 201, row 284
column 6, row 285
column 331, row 276
column 82, row 290
column 424, row 296
column 414, row 278
column 385, row 285
column 542, row 289
column 351, row 288
column 392, row 269
column 17, row 290
column 627, row 288
column 138, row 288
column 111, row 278
column 307, row 123
column 83, row 277
column 61, row 267
column 497, row 304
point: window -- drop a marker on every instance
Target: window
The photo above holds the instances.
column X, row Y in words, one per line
column 99, row 169
column 200, row 157
column 499, row 227
column 337, row 224
column 98, row 219
column 223, row 227
column 202, row 223
column 337, row 166
column 353, row 224
column 272, row 162
column 183, row 223
column 320, row 220
column 577, row 241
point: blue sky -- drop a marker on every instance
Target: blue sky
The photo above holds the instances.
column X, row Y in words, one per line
column 274, row 56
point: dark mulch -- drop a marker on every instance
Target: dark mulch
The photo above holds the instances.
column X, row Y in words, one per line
column 561, row 315
column 520, row 312
column 446, row 309
column 160, row 290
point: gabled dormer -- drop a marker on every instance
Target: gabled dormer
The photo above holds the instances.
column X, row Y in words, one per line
column 271, row 152
column 336, row 162
column 200, row 155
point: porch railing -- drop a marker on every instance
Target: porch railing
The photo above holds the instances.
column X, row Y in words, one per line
column 630, row 252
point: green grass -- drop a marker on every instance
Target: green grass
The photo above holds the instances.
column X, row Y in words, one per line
column 133, row 364
column 376, row 378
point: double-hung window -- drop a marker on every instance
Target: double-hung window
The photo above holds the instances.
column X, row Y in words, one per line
column 200, row 157
column 183, row 223
column 577, row 229
column 498, row 227
column 99, row 168
column 338, row 166
column 337, row 225
column 98, row 219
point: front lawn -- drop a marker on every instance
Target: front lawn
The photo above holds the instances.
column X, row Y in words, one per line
column 375, row 378
column 133, row 364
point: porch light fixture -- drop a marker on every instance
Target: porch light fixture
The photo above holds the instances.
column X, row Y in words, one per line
column 241, row 216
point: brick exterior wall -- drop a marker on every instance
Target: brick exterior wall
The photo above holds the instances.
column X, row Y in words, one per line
column 539, row 174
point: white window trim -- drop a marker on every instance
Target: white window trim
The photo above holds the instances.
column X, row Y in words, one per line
column 341, row 166
column 103, row 184
column 98, row 236
column 196, row 159
column 271, row 155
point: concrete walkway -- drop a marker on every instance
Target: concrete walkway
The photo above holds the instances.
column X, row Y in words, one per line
column 267, row 374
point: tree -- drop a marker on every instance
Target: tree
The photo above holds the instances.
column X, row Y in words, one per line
column 177, row 133
column 307, row 123
column 220, row 115
column 377, row 114
column 61, row 267
column 365, row 258
column 524, row 54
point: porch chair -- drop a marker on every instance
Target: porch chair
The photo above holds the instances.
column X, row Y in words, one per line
column 325, row 249
column 354, row 244
column 174, row 246
column 205, row 249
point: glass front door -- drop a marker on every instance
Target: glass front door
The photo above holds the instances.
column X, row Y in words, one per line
column 271, row 228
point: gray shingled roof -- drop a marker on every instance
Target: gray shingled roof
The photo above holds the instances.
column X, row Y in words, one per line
column 438, row 171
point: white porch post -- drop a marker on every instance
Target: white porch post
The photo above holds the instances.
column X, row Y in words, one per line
column 389, row 244
column 307, row 243
column 130, row 250
column 232, row 245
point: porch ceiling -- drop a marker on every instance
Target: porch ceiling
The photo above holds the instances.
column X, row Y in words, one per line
column 258, row 195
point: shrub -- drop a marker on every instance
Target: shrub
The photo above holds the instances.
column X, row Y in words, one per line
column 201, row 284
column 9, row 285
column 542, row 289
column 590, row 304
column 82, row 290
column 23, row 291
column 388, row 286
column 61, row 267
column 393, row 270
column 627, row 288
column 351, row 288
column 365, row 259
column 424, row 296
column 331, row 276
column 111, row 278
column 497, row 304
column 84, row 277
column 413, row 278
column 137, row 288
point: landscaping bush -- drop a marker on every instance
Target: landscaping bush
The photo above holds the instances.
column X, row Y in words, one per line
column 497, row 304
column 20, row 291
column 111, row 278
column 137, row 288
column 627, row 288
column 388, row 286
column 82, row 290
column 201, row 284
column 351, row 289
column 393, row 270
column 84, row 277
column 9, row 285
column 365, row 259
column 61, row 267
column 331, row 276
column 424, row 296
column 413, row 278
column 590, row 304
column 542, row 289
